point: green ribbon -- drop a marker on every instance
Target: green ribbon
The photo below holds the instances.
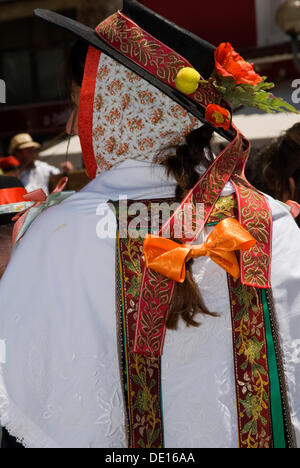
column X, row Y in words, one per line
column 276, row 403
column 11, row 208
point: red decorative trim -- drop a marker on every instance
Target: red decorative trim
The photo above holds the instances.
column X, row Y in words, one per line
column 155, row 298
column 125, row 36
column 140, row 376
column 12, row 195
column 254, row 215
column 86, row 111
column 251, row 367
column 208, row 189
column 158, row 59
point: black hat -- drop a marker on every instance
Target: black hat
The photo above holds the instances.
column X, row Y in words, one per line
column 11, row 198
column 181, row 43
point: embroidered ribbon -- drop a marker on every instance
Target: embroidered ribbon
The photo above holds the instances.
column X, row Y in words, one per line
column 168, row 257
column 254, row 215
column 251, row 366
column 263, row 412
column 295, row 208
column 140, row 376
column 41, row 203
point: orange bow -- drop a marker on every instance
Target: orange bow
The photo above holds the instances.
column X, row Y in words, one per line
column 168, row 257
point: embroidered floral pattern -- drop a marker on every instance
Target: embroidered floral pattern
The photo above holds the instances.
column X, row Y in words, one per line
column 114, row 87
column 209, row 187
column 98, row 102
column 206, row 192
column 156, row 116
column 142, row 388
column 256, row 217
column 251, row 367
column 123, row 108
column 224, row 208
column 161, row 61
column 249, row 341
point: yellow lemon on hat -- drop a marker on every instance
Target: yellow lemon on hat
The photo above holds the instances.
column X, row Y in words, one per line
column 187, row 80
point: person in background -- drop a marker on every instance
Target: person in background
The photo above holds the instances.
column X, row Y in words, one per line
column 34, row 173
column 275, row 169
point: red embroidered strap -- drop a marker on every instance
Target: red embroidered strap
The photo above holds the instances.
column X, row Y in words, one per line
column 251, row 367
column 205, row 193
column 140, row 376
column 149, row 341
column 225, row 207
column 254, row 214
column 256, row 217
column 121, row 33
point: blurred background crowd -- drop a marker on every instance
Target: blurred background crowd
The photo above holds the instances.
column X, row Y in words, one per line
column 35, row 101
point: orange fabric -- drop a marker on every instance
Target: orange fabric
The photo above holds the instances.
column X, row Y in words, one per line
column 168, row 257
column 12, row 195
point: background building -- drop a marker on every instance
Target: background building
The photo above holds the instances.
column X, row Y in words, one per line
column 250, row 25
column 33, row 57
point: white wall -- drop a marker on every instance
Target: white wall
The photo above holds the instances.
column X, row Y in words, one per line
column 268, row 33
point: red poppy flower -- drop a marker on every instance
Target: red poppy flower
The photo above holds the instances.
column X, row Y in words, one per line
column 218, row 116
column 229, row 63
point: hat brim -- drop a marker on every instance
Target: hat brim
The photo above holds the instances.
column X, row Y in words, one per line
column 29, row 144
column 89, row 36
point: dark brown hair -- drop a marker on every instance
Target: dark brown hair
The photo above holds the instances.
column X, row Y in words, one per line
column 182, row 164
column 271, row 168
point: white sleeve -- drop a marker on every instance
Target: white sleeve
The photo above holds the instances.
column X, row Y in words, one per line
column 54, row 170
column 286, row 292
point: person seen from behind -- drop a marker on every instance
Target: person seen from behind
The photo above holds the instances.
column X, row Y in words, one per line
column 33, row 173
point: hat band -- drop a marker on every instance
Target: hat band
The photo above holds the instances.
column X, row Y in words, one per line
column 125, row 36
column 12, row 195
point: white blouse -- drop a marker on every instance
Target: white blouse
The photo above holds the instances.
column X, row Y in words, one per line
column 59, row 380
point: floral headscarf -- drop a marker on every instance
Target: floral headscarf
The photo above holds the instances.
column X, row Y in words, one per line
column 122, row 116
